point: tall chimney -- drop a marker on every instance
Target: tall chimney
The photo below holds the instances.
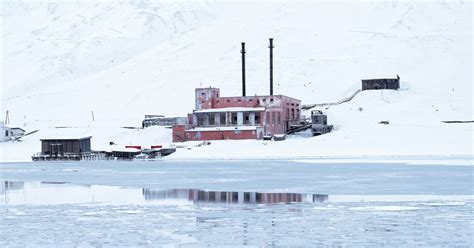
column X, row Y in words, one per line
column 243, row 68
column 271, row 66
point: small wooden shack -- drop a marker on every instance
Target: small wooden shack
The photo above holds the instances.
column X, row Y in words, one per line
column 61, row 146
column 381, row 84
column 64, row 149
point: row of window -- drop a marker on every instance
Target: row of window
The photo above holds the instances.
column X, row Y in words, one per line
column 272, row 120
column 271, row 117
column 294, row 113
column 204, row 94
column 211, row 121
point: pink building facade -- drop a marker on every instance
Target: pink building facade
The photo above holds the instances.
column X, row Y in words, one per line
column 246, row 117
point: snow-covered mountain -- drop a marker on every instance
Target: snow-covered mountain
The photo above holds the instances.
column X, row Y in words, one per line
column 61, row 60
column 46, row 44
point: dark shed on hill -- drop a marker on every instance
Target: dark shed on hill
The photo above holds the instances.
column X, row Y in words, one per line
column 381, row 84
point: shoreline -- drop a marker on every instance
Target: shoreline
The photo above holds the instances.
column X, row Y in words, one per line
column 460, row 160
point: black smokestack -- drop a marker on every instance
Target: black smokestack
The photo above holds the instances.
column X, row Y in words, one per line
column 271, row 66
column 243, row 68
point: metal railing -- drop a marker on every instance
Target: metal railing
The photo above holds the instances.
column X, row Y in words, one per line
column 344, row 100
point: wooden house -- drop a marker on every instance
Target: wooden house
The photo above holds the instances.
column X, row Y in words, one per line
column 72, row 148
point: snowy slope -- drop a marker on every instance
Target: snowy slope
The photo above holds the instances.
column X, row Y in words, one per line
column 61, row 61
column 50, row 42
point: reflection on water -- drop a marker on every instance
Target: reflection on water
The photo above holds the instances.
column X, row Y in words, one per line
column 197, row 196
column 54, row 193
column 10, row 185
column 16, row 193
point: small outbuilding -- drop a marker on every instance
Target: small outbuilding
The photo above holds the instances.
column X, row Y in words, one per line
column 64, row 149
column 381, row 84
column 5, row 134
column 16, row 132
column 62, row 146
column 10, row 133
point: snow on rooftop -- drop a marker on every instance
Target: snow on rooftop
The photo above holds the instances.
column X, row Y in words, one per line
column 123, row 149
column 65, row 134
column 231, row 109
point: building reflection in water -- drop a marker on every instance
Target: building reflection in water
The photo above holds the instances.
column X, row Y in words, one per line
column 10, row 185
column 201, row 196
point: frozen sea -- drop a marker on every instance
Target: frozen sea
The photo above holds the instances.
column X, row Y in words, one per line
column 235, row 203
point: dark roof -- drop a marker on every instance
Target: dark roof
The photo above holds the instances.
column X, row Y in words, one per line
column 380, row 79
column 70, row 138
column 17, row 128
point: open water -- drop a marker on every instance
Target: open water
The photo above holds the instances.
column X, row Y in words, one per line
column 235, row 203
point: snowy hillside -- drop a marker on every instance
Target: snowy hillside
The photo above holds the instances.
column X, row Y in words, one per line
column 48, row 43
column 62, row 60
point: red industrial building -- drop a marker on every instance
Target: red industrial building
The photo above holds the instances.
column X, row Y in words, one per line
column 241, row 117
column 246, row 117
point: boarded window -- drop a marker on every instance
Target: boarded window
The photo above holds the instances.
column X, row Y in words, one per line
column 222, row 117
column 246, row 118
column 257, row 118
column 212, row 120
column 200, row 120
column 234, row 118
